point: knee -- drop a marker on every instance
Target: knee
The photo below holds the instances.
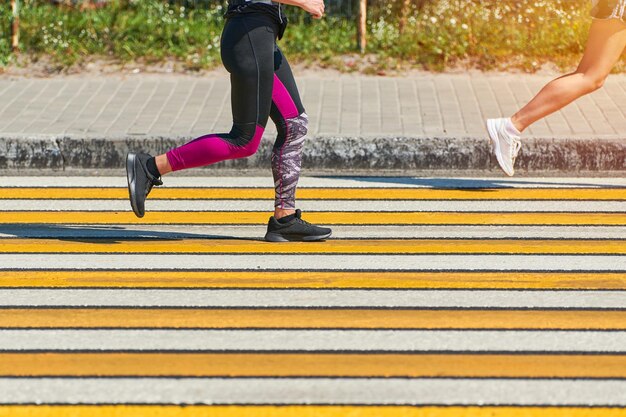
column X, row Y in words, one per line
column 597, row 83
column 249, row 150
column 593, row 82
column 294, row 129
column 246, row 138
column 301, row 124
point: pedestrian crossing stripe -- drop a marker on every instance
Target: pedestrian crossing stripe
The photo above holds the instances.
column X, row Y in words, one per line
column 331, row 318
column 282, row 365
column 564, row 344
column 326, row 218
column 347, row 246
column 319, row 262
column 309, row 206
column 301, row 411
column 246, row 193
column 314, row 280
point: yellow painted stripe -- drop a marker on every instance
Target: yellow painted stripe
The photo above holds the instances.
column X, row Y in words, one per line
column 302, row 411
column 316, row 365
column 322, row 193
column 295, row 318
column 371, row 246
column 329, row 218
column 304, row 279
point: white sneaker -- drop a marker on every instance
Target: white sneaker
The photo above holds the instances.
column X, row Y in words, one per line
column 504, row 144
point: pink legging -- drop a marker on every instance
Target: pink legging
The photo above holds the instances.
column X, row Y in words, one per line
column 213, row 148
column 286, row 155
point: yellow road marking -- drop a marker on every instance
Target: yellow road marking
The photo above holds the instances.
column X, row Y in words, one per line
column 295, row 318
column 304, row 279
column 319, row 365
column 322, row 193
column 301, row 411
column 331, row 218
column 370, row 246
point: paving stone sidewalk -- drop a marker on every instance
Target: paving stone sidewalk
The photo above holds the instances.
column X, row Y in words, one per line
column 368, row 124
column 431, row 105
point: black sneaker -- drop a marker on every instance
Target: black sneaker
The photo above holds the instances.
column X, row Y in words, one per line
column 140, row 181
column 297, row 230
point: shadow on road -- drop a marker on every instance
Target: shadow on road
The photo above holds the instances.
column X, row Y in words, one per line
column 472, row 184
column 102, row 234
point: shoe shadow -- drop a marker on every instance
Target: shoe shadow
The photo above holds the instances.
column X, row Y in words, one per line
column 104, row 234
column 471, row 184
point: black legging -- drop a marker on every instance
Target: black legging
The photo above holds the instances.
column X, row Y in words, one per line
column 262, row 86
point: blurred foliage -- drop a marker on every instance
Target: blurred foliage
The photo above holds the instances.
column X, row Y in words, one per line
column 484, row 34
column 488, row 33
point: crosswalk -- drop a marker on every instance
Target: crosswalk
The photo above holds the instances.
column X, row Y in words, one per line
column 436, row 297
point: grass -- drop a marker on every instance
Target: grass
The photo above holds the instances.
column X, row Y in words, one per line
column 444, row 34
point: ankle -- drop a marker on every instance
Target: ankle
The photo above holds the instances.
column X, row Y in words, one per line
column 152, row 168
column 279, row 213
column 163, row 164
column 517, row 124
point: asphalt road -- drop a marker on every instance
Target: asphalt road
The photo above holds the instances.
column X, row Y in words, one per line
column 435, row 297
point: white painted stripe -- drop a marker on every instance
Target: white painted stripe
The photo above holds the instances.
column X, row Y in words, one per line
column 346, row 391
column 319, row 262
column 314, row 206
column 313, row 298
column 367, row 182
column 315, row 340
column 346, row 232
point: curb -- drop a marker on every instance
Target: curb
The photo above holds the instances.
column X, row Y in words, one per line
column 326, row 153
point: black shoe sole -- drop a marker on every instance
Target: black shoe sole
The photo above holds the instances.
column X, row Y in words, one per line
column 131, row 176
column 277, row 237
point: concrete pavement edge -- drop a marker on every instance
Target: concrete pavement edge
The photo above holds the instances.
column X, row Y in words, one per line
column 327, row 153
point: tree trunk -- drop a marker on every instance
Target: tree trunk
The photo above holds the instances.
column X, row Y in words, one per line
column 362, row 26
column 15, row 25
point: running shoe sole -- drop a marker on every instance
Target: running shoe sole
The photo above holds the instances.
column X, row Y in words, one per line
column 276, row 237
column 131, row 175
column 495, row 146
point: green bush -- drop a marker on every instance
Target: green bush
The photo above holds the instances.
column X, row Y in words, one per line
column 144, row 29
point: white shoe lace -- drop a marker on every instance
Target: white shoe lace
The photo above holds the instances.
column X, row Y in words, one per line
column 516, row 145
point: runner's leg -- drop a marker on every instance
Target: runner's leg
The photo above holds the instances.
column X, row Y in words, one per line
column 292, row 124
column 607, row 40
column 247, row 53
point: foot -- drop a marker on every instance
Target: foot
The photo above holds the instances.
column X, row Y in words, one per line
column 140, row 181
column 296, row 230
column 504, row 143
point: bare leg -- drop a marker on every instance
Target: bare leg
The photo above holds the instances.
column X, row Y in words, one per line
column 163, row 165
column 607, row 40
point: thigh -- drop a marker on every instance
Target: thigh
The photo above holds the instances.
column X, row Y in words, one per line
column 286, row 102
column 607, row 40
column 248, row 54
